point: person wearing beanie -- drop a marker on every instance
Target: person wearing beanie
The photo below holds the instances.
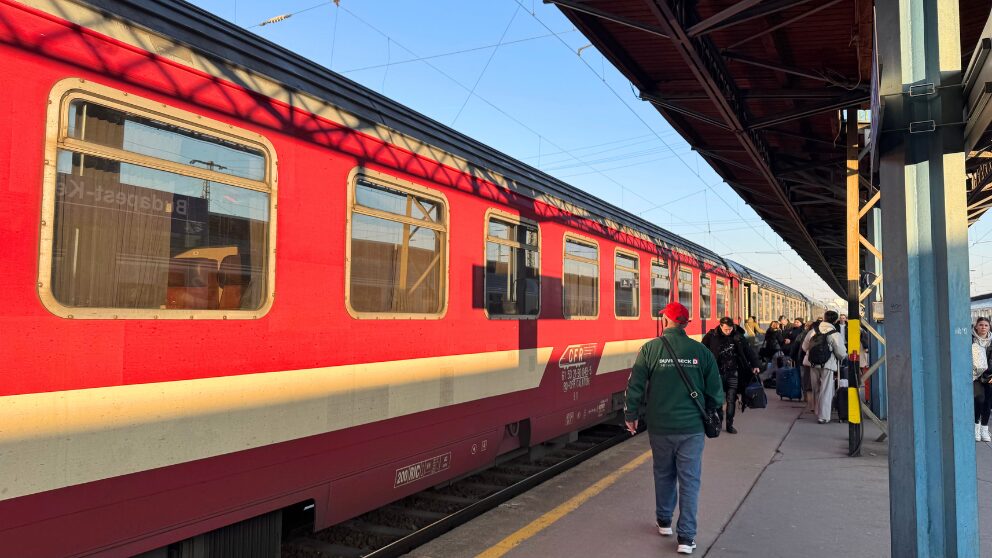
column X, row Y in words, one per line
column 674, row 422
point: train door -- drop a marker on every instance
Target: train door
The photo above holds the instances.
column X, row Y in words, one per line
column 748, row 310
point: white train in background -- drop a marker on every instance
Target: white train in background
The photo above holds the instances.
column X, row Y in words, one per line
column 981, row 306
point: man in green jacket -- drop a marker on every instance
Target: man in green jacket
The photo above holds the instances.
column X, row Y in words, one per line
column 675, row 425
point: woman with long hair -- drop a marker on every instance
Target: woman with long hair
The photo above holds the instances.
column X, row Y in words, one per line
column 773, row 341
column 981, row 376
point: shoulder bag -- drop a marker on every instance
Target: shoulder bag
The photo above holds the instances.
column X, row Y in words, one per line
column 711, row 419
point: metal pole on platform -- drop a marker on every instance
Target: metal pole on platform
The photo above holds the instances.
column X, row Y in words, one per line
column 853, row 341
column 932, row 485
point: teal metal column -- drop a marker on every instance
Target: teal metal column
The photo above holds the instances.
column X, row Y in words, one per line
column 879, row 392
column 932, row 486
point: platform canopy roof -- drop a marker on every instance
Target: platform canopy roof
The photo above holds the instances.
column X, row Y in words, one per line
column 756, row 88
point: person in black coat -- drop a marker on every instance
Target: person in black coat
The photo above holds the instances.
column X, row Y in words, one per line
column 736, row 360
column 773, row 341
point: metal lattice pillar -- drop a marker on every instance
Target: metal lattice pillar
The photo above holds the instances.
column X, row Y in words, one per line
column 932, row 486
column 853, row 286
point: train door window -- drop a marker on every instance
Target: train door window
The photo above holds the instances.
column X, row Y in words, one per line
column 512, row 280
column 685, row 288
column 397, row 250
column 705, row 292
column 153, row 212
column 626, row 279
column 580, row 281
column 721, row 298
column 661, row 286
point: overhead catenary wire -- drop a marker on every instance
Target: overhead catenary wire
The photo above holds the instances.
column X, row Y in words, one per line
column 653, row 131
column 509, row 116
column 286, row 16
column 455, row 52
column 501, row 111
column 488, row 62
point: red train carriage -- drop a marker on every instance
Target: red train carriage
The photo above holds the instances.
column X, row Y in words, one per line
column 174, row 362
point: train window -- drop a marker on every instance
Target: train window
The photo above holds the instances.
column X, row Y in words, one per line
column 397, row 249
column 153, row 215
column 705, row 309
column 626, row 279
column 661, row 286
column 685, row 288
column 580, row 282
column 721, row 298
column 512, row 280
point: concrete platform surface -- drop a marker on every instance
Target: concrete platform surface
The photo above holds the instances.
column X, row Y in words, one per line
column 782, row 487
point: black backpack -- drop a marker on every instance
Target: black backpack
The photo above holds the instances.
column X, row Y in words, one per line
column 819, row 352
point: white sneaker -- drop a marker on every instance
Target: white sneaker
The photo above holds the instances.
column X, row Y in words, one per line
column 978, row 432
column 665, row 531
column 986, row 437
column 686, row 548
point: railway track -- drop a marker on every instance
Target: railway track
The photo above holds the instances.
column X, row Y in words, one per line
column 400, row 527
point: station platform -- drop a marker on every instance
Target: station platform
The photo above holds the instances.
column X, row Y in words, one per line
column 782, row 487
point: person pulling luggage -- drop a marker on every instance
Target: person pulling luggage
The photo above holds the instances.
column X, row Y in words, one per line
column 736, row 360
column 824, row 353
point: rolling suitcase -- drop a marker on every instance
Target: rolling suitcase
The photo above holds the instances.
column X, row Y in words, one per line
column 789, row 384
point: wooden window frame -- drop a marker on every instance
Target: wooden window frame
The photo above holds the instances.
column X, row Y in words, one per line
column 500, row 214
column 68, row 90
column 599, row 273
column 637, row 275
column 395, row 183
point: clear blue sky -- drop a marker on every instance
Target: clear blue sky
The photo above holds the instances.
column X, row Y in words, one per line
column 534, row 98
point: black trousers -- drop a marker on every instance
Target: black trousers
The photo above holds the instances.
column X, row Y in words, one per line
column 983, row 402
column 730, row 389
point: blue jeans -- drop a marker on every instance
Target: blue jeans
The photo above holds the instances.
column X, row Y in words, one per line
column 678, row 465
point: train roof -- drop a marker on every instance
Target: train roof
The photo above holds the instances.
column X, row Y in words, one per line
column 218, row 38
column 748, row 273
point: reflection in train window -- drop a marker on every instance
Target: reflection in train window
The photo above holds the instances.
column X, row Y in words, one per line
column 685, row 288
column 705, row 310
column 580, row 284
column 397, row 251
column 152, row 216
column 626, row 279
column 721, row 298
column 661, row 286
column 512, row 280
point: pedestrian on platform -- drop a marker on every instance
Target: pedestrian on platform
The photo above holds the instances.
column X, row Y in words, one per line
column 736, row 360
column 798, row 356
column 824, row 353
column 981, row 376
column 773, row 341
column 791, row 335
column 674, row 421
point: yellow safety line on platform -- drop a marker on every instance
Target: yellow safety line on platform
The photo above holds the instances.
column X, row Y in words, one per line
column 549, row 518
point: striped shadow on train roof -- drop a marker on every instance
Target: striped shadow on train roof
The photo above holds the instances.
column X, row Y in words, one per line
column 194, row 37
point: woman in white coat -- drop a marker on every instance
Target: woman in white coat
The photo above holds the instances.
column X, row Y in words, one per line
column 822, row 373
column 981, row 351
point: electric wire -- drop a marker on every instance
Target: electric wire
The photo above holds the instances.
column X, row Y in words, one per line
column 652, row 130
column 456, row 52
column 512, row 118
column 488, row 62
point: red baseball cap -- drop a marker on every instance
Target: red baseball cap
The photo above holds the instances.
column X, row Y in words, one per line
column 677, row 313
